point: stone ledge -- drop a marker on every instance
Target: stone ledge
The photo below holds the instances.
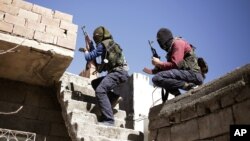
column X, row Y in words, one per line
column 32, row 62
column 203, row 100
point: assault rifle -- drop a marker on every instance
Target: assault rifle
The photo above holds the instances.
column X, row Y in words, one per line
column 90, row 68
column 155, row 70
column 153, row 49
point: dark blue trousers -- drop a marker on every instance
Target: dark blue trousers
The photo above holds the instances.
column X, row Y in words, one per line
column 103, row 87
column 174, row 79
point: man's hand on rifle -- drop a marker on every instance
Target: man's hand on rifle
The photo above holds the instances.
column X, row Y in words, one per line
column 156, row 62
column 83, row 49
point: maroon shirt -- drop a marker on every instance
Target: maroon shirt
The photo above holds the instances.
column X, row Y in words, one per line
column 178, row 50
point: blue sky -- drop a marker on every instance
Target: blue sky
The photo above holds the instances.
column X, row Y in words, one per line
column 220, row 29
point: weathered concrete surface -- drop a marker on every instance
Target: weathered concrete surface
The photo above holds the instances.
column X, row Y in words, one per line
column 37, row 43
column 31, row 108
column 205, row 113
column 81, row 113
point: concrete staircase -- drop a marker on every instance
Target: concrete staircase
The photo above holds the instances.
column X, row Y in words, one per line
column 80, row 113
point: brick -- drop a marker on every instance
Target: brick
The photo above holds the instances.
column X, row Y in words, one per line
column 71, row 36
column 22, row 4
column 44, row 37
column 215, row 124
column 35, row 25
column 164, row 134
column 6, row 1
column 55, row 31
column 43, row 11
column 64, row 42
column 28, row 15
column 55, row 138
column 29, row 112
column 188, row 113
column 63, row 16
column 1, row 15
column 23, row 31
column 223, row 138
column 6, row 26
column 14, row 20
column 50, row 116
column 50, row 22
column 229, row 99
column 58, row 130
column 7, row 107
column 72, row 28
column 243, row 94
column 9, row 9
column 187, row 131
column 152, row 135
column 240, row 112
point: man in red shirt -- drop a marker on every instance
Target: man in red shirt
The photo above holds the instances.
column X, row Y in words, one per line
column 180, row 71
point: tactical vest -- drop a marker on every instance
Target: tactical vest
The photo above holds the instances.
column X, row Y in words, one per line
column 113, row 57
column 189, row 62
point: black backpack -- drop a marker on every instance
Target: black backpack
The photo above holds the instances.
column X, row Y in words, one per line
column 203, row 66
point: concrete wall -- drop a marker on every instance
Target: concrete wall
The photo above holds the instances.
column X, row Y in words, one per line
column 29, row 108
column 205, row 113
column 37, row 43
column 139, row 96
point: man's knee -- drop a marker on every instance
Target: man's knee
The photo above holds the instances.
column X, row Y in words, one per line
column 156, row 79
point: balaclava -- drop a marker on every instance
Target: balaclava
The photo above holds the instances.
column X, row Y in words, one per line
column 100, row 34
column 165, row 38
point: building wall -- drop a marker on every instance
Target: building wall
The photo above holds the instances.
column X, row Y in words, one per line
column 29, row 108
column 139, row 96
column 205, row 113
column 37, row 43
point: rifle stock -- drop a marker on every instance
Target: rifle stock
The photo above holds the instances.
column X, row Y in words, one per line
column 91, row 66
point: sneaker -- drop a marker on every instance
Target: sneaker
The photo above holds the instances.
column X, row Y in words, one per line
column 115, row 101
column 188, row 86
column 106, row 123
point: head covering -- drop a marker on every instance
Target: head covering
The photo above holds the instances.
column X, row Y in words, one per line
column 165, row 38
column 100, row 34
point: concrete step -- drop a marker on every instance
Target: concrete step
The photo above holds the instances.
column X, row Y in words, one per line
column 86, row 129
column 68, row 78
column 97, row 138
column 81, row 117
column 71, row 105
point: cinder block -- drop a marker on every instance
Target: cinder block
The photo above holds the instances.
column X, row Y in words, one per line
column 241, row 112
column 68, row 26
column 50, row 22
column 188, row 113
column 9, row 9
column 14, row 20
column 23, row 31
column 63, row 16
column 44, row 37
column 64, row 42
column 55, row 138
column 1, row 16
column 164, row 134
column 48, row 115
column 6, row 1
column 55, row 30
column 222, row 138
column 43, row 11
column 28, row 15
column 187, row 131
column 58, row 130
column 35, row 25
column 215, row 123
column 22, row 4
column 6, row 26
